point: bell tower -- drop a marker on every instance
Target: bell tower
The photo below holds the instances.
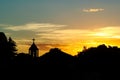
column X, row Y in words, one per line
column 33, row 50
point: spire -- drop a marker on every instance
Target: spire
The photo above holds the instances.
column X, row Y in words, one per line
column 33, row 50
column 33, row 40
column 33, row 46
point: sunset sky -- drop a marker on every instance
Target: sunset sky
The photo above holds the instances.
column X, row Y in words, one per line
column 65, row 24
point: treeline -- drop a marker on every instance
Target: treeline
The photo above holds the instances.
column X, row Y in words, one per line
column 95, row 63
column 100, row 62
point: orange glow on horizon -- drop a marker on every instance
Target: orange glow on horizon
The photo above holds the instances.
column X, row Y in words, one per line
column 74, row 48
column 73, row 41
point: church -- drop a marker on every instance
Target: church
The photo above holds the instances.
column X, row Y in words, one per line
column 33, row 50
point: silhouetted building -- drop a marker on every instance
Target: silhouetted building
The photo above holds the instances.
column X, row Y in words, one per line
column 33, row 50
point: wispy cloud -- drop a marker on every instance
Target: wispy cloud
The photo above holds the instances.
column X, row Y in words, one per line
column 93, row 10
column 65, row 35
column 68, row 35
column 35, row 27
column 52, row 35
column 107, row 32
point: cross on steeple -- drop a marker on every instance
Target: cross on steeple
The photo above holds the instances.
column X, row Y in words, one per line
column 33, row 50
column 33, row 40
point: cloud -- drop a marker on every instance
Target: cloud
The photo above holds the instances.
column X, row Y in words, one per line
column 71, row 40
column 107, row 32
column 53, row 33
column 35, row 27
column 71, row 35
column 65, row 35
column 93, row 10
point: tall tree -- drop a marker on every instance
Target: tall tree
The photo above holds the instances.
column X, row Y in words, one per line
column 12, row 46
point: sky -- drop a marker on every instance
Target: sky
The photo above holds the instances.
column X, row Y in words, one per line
column 66, row 24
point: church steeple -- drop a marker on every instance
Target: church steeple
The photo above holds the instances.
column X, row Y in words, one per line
column 33, row 40
column 33, row 50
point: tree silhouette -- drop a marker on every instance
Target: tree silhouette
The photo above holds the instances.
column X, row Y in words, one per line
column 4, row 54
column 12, row 47
column 7, row 49
column 91, row 64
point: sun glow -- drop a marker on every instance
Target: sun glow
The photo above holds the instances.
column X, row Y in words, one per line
column 73, row 41
column 102, row 34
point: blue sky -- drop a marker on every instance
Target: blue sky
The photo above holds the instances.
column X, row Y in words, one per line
column 23, row 11
column 59, row 21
